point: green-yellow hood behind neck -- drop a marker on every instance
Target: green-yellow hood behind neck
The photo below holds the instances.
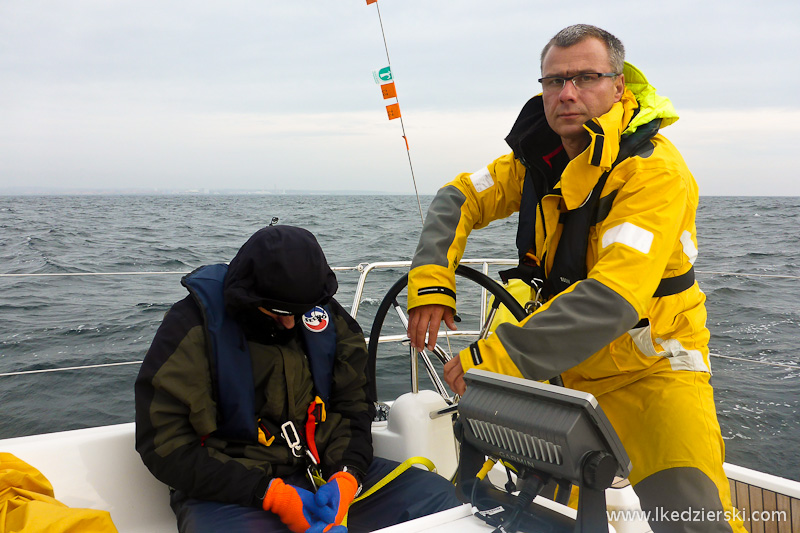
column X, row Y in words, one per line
column 651, row 105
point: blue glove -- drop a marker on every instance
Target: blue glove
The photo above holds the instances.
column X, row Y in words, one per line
column 295, row 507
column 333, row 499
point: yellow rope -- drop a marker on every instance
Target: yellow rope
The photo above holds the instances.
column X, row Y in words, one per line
column 402, row 467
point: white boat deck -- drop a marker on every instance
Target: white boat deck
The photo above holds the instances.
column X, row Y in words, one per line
column 98, row 468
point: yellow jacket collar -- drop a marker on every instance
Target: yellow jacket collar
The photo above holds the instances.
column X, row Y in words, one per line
column 582, row 173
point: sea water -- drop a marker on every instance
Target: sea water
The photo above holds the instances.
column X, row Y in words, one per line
column 748, row 266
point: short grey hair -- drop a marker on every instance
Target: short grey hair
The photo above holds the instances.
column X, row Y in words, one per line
column 576, row 33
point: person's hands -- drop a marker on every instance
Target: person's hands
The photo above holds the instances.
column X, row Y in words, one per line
column 295, row 507
column 333, row 499
column 454, row 375
column 426, row 319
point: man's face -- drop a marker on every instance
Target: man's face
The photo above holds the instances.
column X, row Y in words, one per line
column 568, row 109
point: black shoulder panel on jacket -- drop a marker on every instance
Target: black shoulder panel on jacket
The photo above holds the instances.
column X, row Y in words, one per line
column 531, row 137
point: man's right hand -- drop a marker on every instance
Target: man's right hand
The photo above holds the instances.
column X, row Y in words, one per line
column 426, row 319
column 454, row 375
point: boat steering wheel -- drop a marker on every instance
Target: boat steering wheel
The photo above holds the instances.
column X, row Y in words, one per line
column 501, row 297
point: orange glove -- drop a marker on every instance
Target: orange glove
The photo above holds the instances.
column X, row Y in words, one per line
column 334, row 498
column 294, row 506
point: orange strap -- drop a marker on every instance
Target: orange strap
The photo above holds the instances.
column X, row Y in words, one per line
column 316, row 414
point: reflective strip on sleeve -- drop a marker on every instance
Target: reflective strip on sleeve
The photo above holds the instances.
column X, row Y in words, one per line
column 475, row 352
column 482, row 179
column 630, row 235
column 688, row 246
column 425, row 291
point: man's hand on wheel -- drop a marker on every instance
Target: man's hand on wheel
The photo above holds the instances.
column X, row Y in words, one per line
column 426, row 319
column 454, row 375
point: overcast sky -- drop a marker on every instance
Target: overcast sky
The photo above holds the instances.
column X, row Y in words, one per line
column 279, row 94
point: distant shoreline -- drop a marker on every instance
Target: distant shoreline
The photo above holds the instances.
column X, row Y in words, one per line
column 43, row 191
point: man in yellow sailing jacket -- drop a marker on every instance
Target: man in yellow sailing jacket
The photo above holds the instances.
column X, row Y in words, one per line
column 607, row 232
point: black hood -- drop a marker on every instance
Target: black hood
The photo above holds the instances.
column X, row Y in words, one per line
column 531, row 137
column 279, row 267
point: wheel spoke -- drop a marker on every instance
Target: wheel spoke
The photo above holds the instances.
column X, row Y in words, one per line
column 390, row 301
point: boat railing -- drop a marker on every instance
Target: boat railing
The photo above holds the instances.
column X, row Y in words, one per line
column 364, row 270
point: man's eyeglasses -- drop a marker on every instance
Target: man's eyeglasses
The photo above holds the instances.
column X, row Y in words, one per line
column 580, row 81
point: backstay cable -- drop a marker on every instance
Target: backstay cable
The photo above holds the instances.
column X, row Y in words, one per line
column 402, row 125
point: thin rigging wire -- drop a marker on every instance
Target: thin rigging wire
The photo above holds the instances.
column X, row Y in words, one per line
column 793, row 366
column 402, row 125
column 105, row 365
column 147, row 273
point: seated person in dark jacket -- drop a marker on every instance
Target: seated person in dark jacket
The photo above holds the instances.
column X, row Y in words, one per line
column 256, row 383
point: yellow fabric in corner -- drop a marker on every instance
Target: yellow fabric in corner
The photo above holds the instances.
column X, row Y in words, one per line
column 27, row 504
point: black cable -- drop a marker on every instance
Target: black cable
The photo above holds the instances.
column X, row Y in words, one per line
column 488, row 519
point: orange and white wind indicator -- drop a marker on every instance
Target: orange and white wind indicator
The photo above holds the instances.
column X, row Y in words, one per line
column 385, row 79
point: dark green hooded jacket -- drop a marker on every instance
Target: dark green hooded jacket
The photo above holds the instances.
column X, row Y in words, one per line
column 176, row 415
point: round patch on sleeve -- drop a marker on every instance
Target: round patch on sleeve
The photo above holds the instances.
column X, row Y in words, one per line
column 316, row 320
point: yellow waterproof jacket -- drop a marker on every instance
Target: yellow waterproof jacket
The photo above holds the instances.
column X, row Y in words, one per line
column 594, row 332
column 28, row 505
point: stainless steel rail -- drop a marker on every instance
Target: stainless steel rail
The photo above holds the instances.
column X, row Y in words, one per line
column 364, row 270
